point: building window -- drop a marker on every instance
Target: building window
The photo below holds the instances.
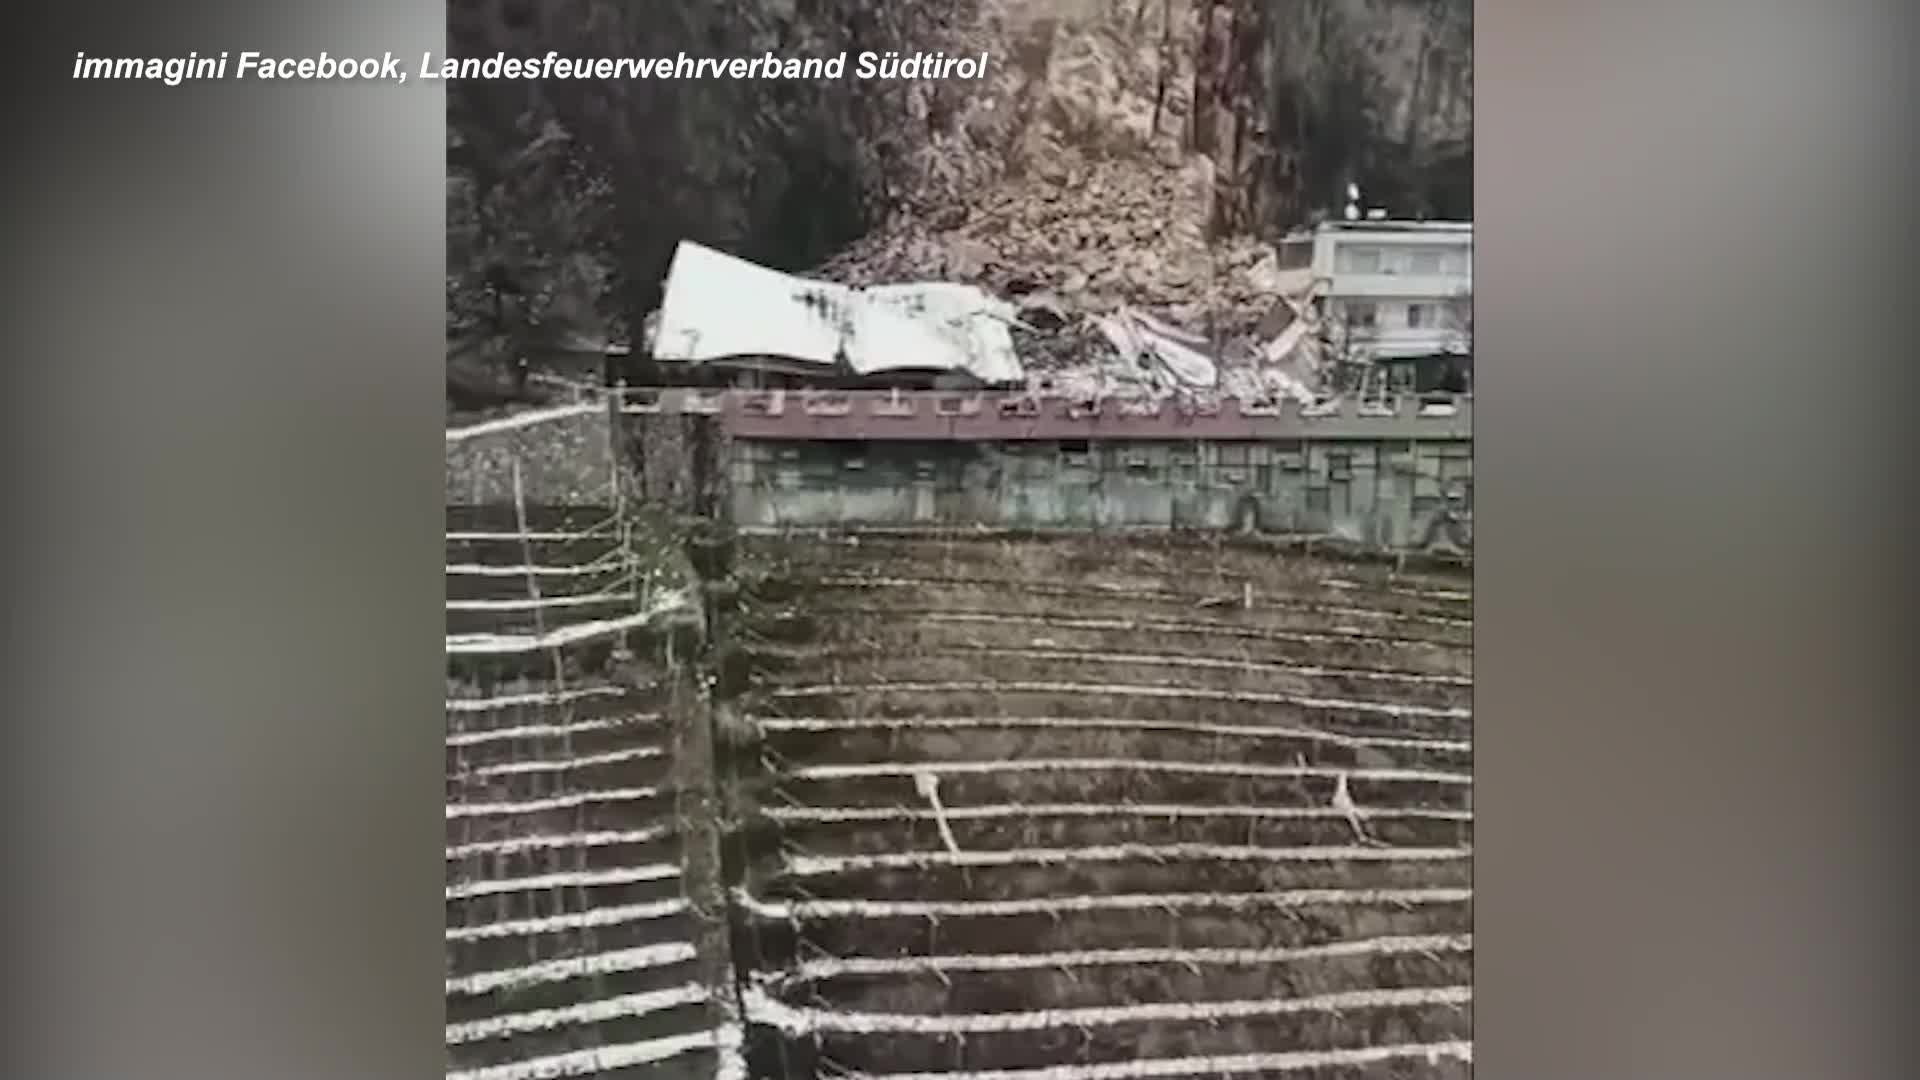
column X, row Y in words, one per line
column 1426, row 262
column 1363, row 316
column 1416, row 316
column 1360, row 260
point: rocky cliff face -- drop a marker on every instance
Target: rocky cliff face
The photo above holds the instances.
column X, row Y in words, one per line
column 1379, row 92
column 1140, row 151
column 1119, row 151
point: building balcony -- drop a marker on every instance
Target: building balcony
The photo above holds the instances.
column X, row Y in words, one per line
column 1400, row 286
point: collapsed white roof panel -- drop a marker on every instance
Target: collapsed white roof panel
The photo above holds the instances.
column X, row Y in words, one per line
column 1137, row 336
column 721, row 307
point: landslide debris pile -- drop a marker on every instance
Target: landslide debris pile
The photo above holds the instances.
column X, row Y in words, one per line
column 1069, row 172
column 1066, row 810
column 1135, row 151
column 1069, row 182
column 1121, row 153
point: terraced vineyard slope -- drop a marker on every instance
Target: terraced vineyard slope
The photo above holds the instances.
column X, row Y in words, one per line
column 576, row 760
column 1101, row 808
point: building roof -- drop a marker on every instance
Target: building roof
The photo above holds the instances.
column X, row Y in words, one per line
column 721, row 308
column 1399, row 226
column 1427, row 228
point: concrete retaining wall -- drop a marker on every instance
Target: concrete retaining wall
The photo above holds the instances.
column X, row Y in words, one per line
column 1399, row 478
column 1385, row 493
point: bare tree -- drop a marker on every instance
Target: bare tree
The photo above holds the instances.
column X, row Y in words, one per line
column 1346, row 340
column 1459, row 315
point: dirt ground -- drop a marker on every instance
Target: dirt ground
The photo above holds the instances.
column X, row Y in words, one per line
column 1019, row 804
column 928, row 805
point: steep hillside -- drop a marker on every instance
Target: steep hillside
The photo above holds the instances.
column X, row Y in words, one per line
column 1069, row 810
column 1131, row 151
column 1120, row 150
column 566, row 197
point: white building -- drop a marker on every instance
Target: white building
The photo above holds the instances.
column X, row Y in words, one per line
column 1391, row 289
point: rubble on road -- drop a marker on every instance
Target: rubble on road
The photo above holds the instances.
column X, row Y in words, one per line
column 1131, row 353
column 1041, row 340
column 1066, row 185
column 1104, row 255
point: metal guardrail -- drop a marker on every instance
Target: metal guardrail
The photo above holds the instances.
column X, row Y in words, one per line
column 1012, row 416
column 1004, row 416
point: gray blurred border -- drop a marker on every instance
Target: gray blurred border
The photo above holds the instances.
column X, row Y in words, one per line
column 226, row 351
column 1694, row 486
column 1694, row 481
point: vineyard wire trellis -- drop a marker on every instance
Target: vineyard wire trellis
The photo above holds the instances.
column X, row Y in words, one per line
column 557, row 638
column 578, row 863
column 622, row 524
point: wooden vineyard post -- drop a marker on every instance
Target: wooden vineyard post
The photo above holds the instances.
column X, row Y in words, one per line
column 616, row 399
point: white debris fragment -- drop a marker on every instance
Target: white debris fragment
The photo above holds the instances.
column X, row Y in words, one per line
column 822, row 325
column 928, row 785
column 1343, row 802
